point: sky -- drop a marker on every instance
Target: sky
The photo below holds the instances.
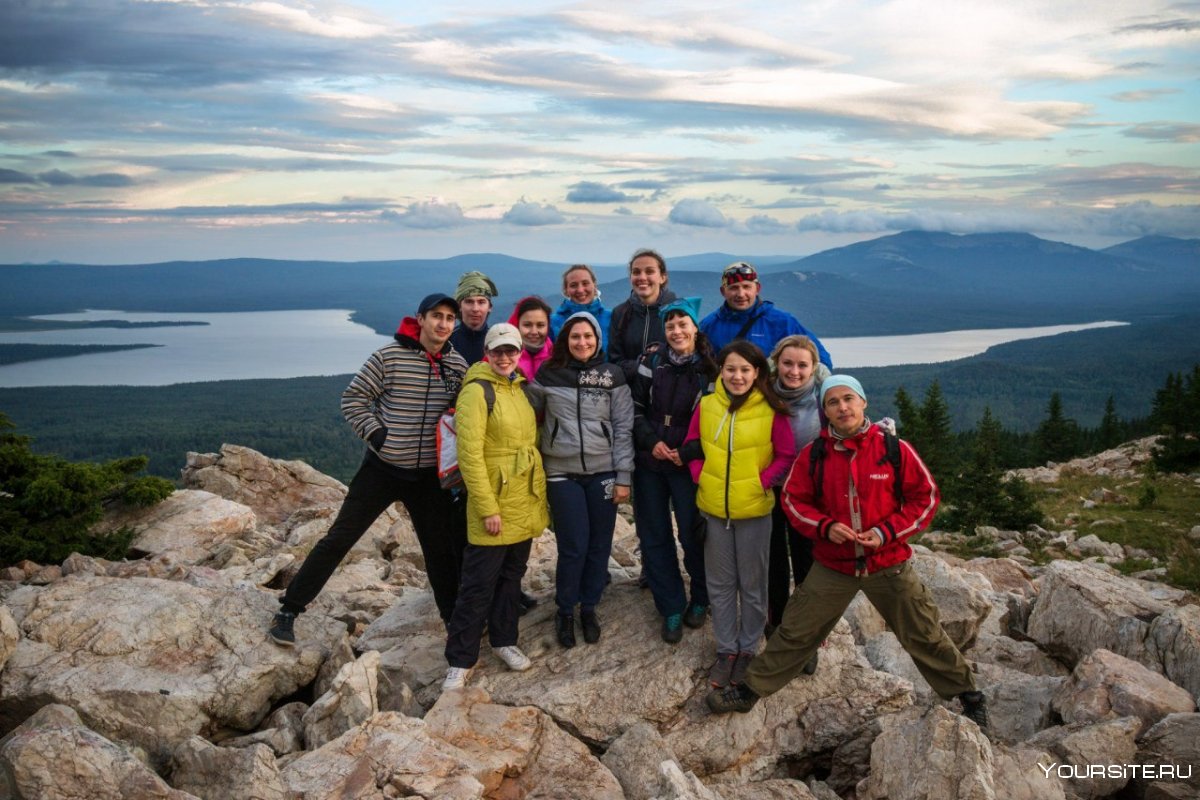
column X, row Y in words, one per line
column 133, row 132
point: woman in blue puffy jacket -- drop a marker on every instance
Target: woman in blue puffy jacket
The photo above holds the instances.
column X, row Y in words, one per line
column 580, row 294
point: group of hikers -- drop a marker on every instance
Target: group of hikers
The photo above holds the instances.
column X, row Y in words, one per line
column 733, row 423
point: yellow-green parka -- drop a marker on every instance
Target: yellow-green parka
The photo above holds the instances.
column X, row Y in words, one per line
column 499, row 460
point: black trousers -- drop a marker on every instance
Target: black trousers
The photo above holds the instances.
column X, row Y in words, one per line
column 435, row 518
column 787, row 545
column 491, row 592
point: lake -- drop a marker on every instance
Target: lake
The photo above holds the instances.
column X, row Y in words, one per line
column 292, row 344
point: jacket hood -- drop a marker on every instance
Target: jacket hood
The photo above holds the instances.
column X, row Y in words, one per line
column 409, row 335
column 569, row 306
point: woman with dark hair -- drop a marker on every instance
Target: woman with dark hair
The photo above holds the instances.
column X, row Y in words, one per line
column 532, row 318
column 580, row 294
column 739, row 443
column 635, row 323
column 587, row 449
column 671, row 378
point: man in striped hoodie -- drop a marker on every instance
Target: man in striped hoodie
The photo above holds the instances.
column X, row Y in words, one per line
column 393, row 403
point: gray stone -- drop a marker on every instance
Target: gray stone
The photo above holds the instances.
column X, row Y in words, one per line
column 218, row 773
column 1105, row 685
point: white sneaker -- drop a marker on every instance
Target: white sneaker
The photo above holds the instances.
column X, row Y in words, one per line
column 512, row 656
column 456, row 678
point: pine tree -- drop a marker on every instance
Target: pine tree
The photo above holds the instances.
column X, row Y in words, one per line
column 1110, row 432
column 1176, row 414
column 983, row 496
column 1057, row 438
column 908, row 417
column 936, row 442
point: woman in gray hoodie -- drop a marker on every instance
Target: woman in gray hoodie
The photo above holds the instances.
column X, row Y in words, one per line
column 587, row 449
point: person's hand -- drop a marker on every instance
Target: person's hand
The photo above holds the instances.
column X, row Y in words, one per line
column 869, row 538
column 620, row 494
column 662, row 452
column 492, row 524
column 840, row 533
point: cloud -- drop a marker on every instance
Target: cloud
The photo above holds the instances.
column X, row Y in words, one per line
column 592, row 192
column 532, row 214
column 1166, row 132
column 699, row 213
column 12, row 176
column 427, row 215
column 1126, row 220
column 110, row 180
column 761, row 224
column 1142, row 95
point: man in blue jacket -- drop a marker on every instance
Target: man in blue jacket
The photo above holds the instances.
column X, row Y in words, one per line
column 745, row 315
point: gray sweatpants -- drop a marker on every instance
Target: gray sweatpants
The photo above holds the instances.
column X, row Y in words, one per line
column 735, row 566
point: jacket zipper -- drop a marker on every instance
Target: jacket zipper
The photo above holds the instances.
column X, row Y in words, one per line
column 860, row 558
column 729, row 467
column 579, row 420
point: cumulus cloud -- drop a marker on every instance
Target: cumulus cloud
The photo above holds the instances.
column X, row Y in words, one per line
column 427, row 215
column 13, row 176
column 762, row 224
column 592, row 192
column 532, row 214
column 699, row 213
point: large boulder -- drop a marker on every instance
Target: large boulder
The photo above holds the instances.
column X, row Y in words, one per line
column 1078, row 749
column 1170, row 754
column 154, row 662
column 1023, row 656
column 1083, row 607
column 10, row 634
column 955, row 759
column 273, row 488
column 54, row 756
column 350, row 701
column 189, row 525
column 1174, row 643
column 218, row 773
column 1105, row 685
column 1019, row 705
column 961, row 596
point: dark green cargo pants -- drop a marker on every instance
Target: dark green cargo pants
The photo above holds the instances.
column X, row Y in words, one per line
column 901, row 599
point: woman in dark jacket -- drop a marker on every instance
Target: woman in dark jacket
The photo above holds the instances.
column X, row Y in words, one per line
column 635, row 323
column 587, row 449
column 670, row 380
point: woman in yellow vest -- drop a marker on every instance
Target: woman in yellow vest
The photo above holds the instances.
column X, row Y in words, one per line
column 737, row 446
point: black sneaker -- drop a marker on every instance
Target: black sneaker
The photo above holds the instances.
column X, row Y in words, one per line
column 695, row 614
column 672, row 630
column 736, row 697
column 564, row 628
column 281, row 629
column 974, row 708
column 590, row 624
column 810, row 666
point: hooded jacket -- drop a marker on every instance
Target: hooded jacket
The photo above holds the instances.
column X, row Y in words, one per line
column 588, row 423
column 769, row 325
column 568, row 307
column 499, row 460
column 633, row 328
column 858, row 490
column 665, row 396
column 402, row 390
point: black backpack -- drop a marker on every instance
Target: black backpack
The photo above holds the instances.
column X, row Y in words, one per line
column 816, row 465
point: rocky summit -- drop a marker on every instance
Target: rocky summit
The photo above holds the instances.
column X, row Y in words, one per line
column 153, row 677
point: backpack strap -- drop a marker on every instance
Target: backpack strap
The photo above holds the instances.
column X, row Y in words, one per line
column 489, row 392
column 892, row 456
column 816, row 467
column 754, row 317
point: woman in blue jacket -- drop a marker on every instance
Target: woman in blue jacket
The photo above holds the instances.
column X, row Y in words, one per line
column 669, row 382
column 580, row 294
column 587, row 449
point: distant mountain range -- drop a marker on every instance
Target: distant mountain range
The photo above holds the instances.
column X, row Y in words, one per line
column 905, row 283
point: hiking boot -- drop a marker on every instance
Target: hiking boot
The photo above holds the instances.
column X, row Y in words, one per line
column 456, row 678
column 281, row 629
column 974, row 708
column 672, row 631
column 564, row 629
column 810, row 666
column 643, row 581
column 590, row 624
column 694, row 616
column 740, row 665
column 718, row 676
column 525, row 603
column 736, row 697
column 513, row 658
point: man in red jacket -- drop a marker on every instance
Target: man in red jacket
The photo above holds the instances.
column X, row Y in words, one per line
column 859, row 517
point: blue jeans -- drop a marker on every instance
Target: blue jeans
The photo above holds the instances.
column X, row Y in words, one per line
column 584, row 518
column 654, row 494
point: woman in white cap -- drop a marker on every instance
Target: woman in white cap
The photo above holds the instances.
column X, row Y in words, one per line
column 506, row 505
